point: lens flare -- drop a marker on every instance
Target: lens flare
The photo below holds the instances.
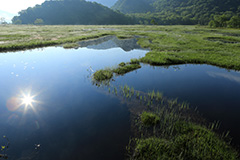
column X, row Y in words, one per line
column 23, row 102
column 27, row 100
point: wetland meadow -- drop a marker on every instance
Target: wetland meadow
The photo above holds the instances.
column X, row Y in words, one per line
column 119, row 92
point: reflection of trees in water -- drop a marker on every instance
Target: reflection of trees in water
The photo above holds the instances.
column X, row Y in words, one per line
column 111, row 42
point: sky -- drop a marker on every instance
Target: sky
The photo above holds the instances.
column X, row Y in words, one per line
column 14, row 6
column 10, row 8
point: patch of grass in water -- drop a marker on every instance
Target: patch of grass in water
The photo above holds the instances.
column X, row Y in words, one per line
column 126, row 68
column 102, row 75
column 122, row 64
column 134, row 61
column 168, row 129
column 106, row 74
column 149, row 119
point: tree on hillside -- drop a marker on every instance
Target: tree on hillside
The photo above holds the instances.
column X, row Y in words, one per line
column 153, row 22
column 3, row 20
column 225, row 20
column 39, row 21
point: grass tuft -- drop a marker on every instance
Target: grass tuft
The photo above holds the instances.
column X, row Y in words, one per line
column 149, row 119
column 196, row 142
column 126, row 68
column 122, row 68
column 102, row 75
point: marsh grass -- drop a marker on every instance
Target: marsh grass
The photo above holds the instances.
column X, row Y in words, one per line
column 126, row 68
column 168, row 133
column 168, row 44
column 29, row 36
column 102, row 75
column 149, row 119
column 70, row 45
column 168, row 129
column 196, row 142
column 123, row 68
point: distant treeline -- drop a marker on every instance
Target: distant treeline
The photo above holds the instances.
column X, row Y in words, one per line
column 227, row 19
column 184, row 12
column 216, row 13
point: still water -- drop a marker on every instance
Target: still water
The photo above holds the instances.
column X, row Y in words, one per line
column 214, row 91
column 63, row 116
column 49, row 108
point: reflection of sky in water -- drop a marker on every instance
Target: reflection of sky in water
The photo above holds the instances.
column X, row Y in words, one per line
column 47, row 98
column 71, row 118
column 229, row 76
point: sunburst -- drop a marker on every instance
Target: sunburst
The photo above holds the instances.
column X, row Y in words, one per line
column 28, row 99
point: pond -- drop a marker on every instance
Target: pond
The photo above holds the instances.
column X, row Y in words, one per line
column 61, row 115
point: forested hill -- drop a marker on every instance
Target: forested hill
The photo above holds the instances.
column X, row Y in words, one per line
column 178, row 11
column 134, row 6
column 70, row 12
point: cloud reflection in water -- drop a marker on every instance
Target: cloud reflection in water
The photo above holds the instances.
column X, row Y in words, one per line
column 228, row 76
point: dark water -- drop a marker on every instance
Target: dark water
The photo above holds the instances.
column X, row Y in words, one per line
column 70, row 118
column 214, row 91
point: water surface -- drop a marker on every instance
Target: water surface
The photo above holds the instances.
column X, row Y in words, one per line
column 71, row 118
column 214, row 91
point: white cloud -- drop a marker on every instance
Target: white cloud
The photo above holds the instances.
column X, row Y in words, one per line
column 228, row 76
column 14, row 6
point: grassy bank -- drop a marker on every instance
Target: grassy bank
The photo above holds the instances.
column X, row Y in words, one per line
column 13, row 38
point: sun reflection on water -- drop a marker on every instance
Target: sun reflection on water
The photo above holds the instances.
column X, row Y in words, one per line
column 25, row 99
column 28, row 100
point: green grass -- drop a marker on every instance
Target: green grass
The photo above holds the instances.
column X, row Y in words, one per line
column 126, row 68
column 169, row 44
column 106, row 74
column 168, row 129
column 13, row 37
column 70, row 45
column 196, row 142
column 149, row 119
column 198, row 47
column 134, row 61
column 174, row 137
column 102, row 75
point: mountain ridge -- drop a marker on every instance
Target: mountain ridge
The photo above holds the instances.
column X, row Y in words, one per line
column 67, row 12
